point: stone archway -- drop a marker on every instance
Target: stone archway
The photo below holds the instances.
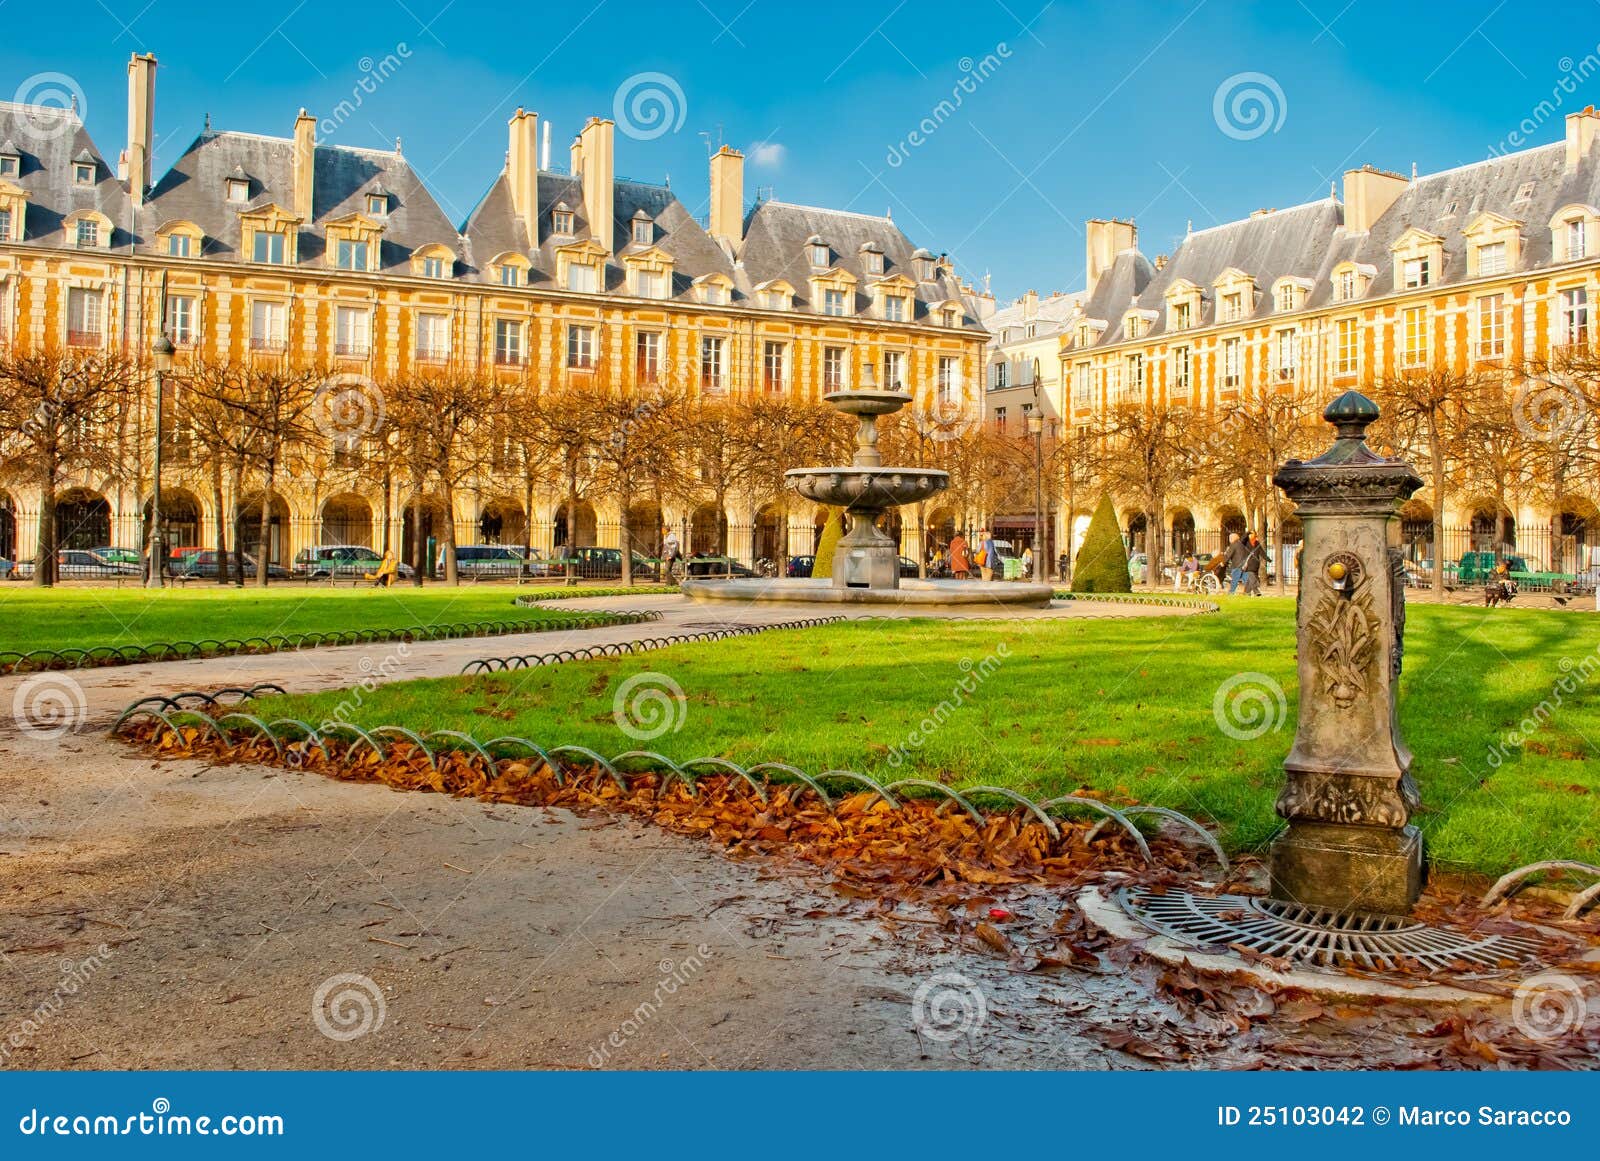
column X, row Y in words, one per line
column 180, row 520
column 708, row 530
column 247, row 519
column 772, row 535
column 83, row 519
column 1137, row 524
column 8, row 527
column 421, row 539
column 502, row 522
column 583, row 528
column 644, row 529
column 1183, row 541
column 346, row 519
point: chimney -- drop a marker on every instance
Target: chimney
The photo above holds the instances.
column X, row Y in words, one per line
column 1105, row 238
column 1368, row 194
column 727, row 198
column 141, row 123
column 1030, row 305
column 544, row 152
column 522, row 172
column 305, row 165
column 1582, row 128
column 596, row 153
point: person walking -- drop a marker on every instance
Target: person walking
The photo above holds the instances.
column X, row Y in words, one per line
column 1254, row 554
column 670, row 552
column 987, row 557
column 1027, row 562
column 1233, row 561
column 960, row 565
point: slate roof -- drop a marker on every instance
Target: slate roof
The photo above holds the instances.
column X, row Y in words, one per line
column 47, row 140
column 1051, row 316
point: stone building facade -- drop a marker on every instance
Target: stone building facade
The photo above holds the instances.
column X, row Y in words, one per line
column 292, row 248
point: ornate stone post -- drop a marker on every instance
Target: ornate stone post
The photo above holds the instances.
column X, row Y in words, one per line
column 1349, row 794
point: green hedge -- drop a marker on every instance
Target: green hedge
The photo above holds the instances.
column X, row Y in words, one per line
column 1102, row 565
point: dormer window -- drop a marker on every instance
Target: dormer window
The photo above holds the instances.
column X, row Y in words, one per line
column 833, row 303
column 433, row 267
column 10, row 165
column 1182, row 315
column 1415, row 273
column 924, row 264
column 351, row 255
column 894, row 307
column 819, row 253
column 82, row 173
column 1346, row 288
column 1575, row 237
column 178, row 245
column 88, row 233
column 872, row 258
column 1085, row 335
column 268, row 248
column 238, row 190
column 378, row 205
column 1288, row 296
column 1492, row 258
column 561, row 220
column 5, row 225
column 1351, row 279
column 1134, row 326
column 1232, row 306
column 644, row 231
column 582, row 278
column 510, row 275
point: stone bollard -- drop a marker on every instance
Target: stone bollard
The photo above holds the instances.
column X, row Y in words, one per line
column 1349, row 795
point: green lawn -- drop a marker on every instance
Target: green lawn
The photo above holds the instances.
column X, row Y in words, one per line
column 1123, row 706
column 78, row 618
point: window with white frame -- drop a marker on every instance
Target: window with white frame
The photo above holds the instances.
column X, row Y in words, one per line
column 1134, row 326
column 433, row 337
column 833, row 369
column 1286, row 353
column 351, row 254
column 713, row 363
column 510, row 274
column 580, row 347
column 561, row 222
column 1415, row 273
column 1345, row 286
column 83, row 174
column 268, row 325
column 1136, row 374
column 1576, row 236
column 833, row 303
column 1002, row 374
column 180, row 322
column 1573, row 320
column 1492, row 258
column 1182, row 370
column 10, row 165
column 88, row 233
column 894, row 371
column 1347, row 346
column 774, row 365
column 85, row 316
column 178, row 245
column 1113, row 374
column 378, row 205
column 433, row 266
column 1231, row 363
column 819, row 253
column 874, row 262
column 1414, row 337
column 1233, row 306
column 649, row 283
column 267, row 247
column 894, row 307
column 238, row 190
column 1081, row 391
column 508, row 342
column 1183, row 315
column 1288, row 297
column 352, row 331
column 644, row 231
column 647, row 356
column 1000, row 419
column 5, row 226
column 582, row 277
column 1491, row 326
column 947, row 379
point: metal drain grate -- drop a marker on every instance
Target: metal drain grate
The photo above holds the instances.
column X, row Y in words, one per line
column 1315, row 935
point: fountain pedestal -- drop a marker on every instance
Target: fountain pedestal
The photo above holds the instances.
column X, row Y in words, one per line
column 1348, row 795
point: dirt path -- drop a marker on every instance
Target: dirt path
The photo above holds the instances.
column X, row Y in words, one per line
column 172, row 914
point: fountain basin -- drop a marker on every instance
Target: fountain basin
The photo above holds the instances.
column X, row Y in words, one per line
column 912, row 591
column 867, row 401
column 866, row 488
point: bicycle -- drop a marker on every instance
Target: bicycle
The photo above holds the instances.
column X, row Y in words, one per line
column 767, row 568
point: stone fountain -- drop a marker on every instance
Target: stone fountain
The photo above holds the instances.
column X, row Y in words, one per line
column 866, row 565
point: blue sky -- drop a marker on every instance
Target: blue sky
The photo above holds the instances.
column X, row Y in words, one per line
column 1068, row 110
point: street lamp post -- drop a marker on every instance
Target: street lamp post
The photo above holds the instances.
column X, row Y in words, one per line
column 1036, row 427
column 161, row 355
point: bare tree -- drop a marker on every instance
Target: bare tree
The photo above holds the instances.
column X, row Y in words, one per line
column 1426, row 412
column 58, row 410
column 1148, row 454
column 635, row 449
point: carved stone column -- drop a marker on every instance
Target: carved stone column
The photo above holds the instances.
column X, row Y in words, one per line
column 1349, row 794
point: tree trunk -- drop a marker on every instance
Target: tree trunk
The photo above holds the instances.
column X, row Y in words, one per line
column 419, row 548
column 527, row 517
column 222, row 524
column 626, row 499
column 238, row 525
column 44, row 555
column 1439, row 492
column 572, row 521
column 263, row 541
column 448, row 540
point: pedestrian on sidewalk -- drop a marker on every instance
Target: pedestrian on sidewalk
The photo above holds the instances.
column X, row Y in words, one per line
column 1255, row 553
column 960, row 564
column 1233, row 561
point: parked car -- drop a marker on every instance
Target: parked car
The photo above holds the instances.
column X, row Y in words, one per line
column 131, row 556
column 908, row 567
column 84, row 564
column 485, row 562
column 714, row 564
column 355, row 561
column 800, row 566
column 203, row 565
column 592, row 563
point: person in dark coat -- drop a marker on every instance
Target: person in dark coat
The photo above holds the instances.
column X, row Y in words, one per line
column 1255, row 553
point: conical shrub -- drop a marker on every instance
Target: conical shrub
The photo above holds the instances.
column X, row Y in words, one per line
column 1102, row 565
column 832, row 533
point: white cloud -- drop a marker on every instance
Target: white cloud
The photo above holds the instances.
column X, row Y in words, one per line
column 767, row 153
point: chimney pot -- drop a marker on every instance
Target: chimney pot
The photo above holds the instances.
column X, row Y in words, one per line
column 141, row 125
